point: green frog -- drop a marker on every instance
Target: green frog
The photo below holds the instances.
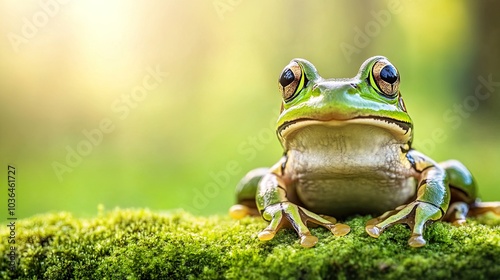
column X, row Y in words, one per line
column 348, row 150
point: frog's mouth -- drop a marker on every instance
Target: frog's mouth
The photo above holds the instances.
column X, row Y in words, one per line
column 402, row 131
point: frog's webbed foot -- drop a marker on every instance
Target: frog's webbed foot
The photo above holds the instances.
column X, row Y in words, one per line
column 239, row 211
column 431, row 203
column 480, row 208
column 459, row 211
column 416, row 215
column 287, row 213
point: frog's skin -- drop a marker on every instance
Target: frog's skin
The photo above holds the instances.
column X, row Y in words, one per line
column 348, row 150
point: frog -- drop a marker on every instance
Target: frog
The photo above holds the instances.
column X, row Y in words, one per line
column 347, row 150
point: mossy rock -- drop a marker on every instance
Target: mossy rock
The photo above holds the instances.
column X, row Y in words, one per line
column 141, row 244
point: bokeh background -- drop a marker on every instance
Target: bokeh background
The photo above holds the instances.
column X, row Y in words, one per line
column 180, row 97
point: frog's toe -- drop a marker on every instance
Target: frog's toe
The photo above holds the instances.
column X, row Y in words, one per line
column 239, row 211
column 373, row 230
column 376, row 226
column 340, row 229
column 416, row 240
column 328, row 222
column 266, row 235
column 308, row 240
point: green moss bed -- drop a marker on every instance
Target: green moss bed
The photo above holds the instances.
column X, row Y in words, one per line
column 142, row 244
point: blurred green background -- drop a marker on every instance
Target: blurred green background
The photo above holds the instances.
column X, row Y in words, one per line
column 180, row 97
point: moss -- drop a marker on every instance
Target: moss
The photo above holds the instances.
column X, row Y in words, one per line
column 140, row 244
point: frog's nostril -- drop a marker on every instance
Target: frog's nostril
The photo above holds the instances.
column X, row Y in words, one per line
column 353, row 85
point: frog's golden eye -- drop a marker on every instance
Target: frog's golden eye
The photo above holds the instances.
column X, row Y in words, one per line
column 291, row 81
column 385, row 78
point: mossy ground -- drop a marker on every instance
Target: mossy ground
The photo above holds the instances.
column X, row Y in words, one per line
column 140, row 244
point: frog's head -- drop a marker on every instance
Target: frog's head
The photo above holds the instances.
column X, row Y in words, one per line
column 370, row 100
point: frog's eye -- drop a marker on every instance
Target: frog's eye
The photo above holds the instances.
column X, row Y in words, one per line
column 291, row 81
column 385, row 78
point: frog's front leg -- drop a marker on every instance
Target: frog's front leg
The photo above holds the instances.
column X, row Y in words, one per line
column 431, row 203
column 273, row 203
